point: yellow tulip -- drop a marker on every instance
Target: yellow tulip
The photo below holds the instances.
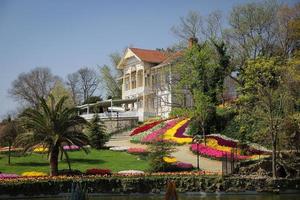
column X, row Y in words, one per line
column 169, row 159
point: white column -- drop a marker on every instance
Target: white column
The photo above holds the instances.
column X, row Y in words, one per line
column 130, row 86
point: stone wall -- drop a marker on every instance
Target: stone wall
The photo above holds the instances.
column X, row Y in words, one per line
column 113, row 125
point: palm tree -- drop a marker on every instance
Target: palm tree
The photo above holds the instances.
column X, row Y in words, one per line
column 53, row 126
column 8, row 134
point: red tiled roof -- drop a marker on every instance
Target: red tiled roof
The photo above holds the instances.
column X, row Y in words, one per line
column 152, row 56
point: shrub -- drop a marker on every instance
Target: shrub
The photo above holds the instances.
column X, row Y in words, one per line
column 96, row 171
column 96, row 132
column 67, row 172
column 159, row 150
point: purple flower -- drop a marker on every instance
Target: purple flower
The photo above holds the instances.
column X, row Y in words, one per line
column 183, row 165
column 8, row 176
column 71, row 147
column 155, row 134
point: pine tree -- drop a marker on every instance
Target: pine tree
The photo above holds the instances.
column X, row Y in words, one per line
column 96, row 132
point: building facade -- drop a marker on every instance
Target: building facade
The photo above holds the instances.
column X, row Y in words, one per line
column 146, row 78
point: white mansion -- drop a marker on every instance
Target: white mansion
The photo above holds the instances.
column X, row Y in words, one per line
column 146, row 86
column 146, row 76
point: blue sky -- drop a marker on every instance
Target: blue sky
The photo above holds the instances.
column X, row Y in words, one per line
column 65, row 35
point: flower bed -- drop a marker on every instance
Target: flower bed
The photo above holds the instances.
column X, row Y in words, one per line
column 8, row 176
column 139, row 137
column 213, row 143
column 40, row 150
column 224, row 141
column 178, row 130
column 169, row 159
column 157, row 133
column 96, row 171
column 184, row 166
column 71, row 147
column 137, row 151
column 211, row 152
column 145, row 127
column 34, row 173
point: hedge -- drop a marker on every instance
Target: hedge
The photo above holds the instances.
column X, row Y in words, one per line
column 143, row 184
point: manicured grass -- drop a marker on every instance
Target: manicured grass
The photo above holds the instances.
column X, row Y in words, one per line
column 116, row 161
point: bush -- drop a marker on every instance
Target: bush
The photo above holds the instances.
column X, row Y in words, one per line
column 96, row 171
column 159, row 150
column 96, row 132
column 67, row 172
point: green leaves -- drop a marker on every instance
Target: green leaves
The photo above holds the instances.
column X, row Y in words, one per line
column 52, row 126
column 96, row 131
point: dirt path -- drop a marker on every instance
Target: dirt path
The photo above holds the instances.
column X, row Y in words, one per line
column 182, row 154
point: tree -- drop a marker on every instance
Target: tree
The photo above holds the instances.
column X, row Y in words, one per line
column 9, row 130
column 92, row 99
column 159, row 150
column 202, row 112
column 287, row 29
column 110, row 75
column 111, row 84
column 189, row 26
column 96, row 132
column 83, row 84
column 272, row 102
column 73, row 84
column 197, row 71
column 59, row 91
column 31, row 86
column 88, row 82
column 52, row 126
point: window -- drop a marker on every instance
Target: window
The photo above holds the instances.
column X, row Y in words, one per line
column 127, row 83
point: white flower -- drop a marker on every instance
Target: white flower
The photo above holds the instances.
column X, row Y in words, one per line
column 119, row 148
column 131, row 172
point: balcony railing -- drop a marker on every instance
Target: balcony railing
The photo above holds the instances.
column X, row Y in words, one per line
column 138, row 91
column 113, row 115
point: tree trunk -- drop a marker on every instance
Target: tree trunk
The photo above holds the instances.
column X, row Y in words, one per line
column 273, row 157
column 68, row 160
column 9, row 149
column 54, row 161
column 203, row 132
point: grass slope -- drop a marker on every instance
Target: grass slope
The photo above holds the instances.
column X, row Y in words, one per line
column 116, row 161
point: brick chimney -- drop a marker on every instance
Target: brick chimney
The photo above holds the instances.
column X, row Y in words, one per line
column 192, row 41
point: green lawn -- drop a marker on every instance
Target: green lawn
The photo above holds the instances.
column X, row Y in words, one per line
column 116, row 161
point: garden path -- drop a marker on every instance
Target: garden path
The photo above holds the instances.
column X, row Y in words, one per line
column 182, row 154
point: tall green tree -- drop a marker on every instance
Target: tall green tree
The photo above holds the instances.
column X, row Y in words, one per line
column 9, row 130
column 96, row 132
column 202, row 111
column 271, row 101
column 52, row 126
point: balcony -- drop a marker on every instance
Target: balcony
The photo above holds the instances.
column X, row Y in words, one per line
column 137, row 91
